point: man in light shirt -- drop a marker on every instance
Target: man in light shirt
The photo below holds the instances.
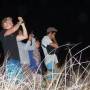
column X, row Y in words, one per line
column 50, row 59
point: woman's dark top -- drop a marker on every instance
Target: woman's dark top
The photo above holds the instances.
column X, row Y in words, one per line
column 9, row 45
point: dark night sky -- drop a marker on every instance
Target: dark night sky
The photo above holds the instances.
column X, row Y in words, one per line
column 70, row 17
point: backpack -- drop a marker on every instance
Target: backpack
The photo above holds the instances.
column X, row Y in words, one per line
column 50, row 49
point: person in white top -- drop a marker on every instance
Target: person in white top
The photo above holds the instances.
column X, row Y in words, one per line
column 33, row 46
column 49, row 40
column 23, row 52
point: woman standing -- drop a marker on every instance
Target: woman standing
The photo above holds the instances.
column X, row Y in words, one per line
column 8, row 39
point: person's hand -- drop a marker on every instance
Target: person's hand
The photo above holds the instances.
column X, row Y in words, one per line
column 56, row 46
column 58, row 65
column 20, row 19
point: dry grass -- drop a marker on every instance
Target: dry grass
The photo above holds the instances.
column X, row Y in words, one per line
column 73, row 75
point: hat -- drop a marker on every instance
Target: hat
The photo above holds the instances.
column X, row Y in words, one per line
column 51, row 29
